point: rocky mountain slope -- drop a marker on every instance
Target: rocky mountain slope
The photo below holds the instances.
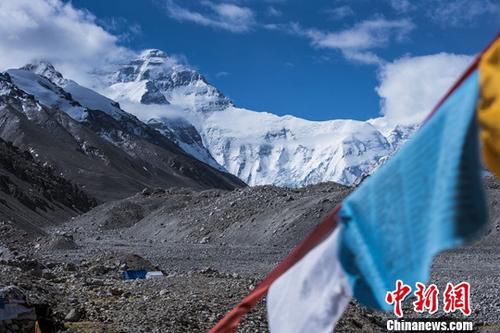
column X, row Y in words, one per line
column 33, row 196
column 91, row 140
column 260, row 148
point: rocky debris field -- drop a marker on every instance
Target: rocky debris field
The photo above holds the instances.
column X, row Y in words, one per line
column 91, row 297
column 212, row 247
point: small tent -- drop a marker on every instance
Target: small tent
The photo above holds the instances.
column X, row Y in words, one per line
column 134, row 274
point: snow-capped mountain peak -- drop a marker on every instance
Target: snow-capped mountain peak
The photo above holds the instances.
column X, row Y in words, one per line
column 154, row 77
column 45, row 69
column 153, row 53
column 42, row 80
column 259, row 147
column 151, row 64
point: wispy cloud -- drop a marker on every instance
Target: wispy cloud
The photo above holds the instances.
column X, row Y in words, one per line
column 362, row 57
column 340, row 13
column 220, row 75
column 365, row 35
column 358, row 42
column 462, row 12
column 446, row 13
column 121, row 27
column 273, row 12
column 225, row 16
column 402, row 6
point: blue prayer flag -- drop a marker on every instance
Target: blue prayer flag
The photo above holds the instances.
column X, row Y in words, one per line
column 428, row 197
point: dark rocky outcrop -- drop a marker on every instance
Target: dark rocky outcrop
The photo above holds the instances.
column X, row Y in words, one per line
column 33, row 195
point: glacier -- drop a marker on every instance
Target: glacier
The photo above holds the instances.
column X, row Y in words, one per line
column 262, row 148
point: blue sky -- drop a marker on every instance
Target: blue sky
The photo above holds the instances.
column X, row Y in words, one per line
column 313, row 59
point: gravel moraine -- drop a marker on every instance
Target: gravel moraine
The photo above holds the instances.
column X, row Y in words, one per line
column 213, row 247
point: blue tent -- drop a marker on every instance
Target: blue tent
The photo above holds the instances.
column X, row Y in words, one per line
column 134, row 274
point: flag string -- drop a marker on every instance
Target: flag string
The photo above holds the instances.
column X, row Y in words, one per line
column 230, row 322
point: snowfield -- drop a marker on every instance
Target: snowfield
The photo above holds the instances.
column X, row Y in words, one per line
column 262, row 148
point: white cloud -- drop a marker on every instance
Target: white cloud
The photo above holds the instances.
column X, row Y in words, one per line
column 225, row 16
column 273, row 12
column 365, row 35
column 411, row 86
column 358, row 42
column 57, row 32
column 362, row 57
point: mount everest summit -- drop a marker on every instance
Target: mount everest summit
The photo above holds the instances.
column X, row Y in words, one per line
column 145, row 121
column 260, row 148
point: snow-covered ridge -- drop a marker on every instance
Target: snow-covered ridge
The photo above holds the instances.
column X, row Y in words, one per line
column 262, row 148
column 42, row 80
column 47, row 93
column 258, row 147
column 10, row 92
column 52, row 90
